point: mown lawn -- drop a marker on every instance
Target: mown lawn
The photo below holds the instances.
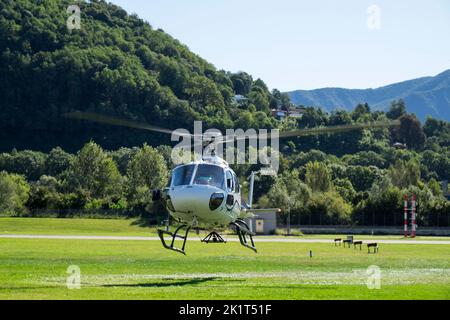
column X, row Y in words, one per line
column 120, row 227
column 55, row 226
column 36, row 269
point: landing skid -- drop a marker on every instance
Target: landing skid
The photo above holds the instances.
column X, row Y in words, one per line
column 240, row 226
column 243, row 231
column 174, row 235
column 214, row 237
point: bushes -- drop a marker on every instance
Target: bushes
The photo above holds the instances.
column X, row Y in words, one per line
column 332, row 204
column 88, row 182
column 318, row 177
column 383, row 198
column 30, row 164
column 14, row 192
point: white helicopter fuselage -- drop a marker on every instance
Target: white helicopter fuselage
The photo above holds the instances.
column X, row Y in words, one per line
column 204, row 194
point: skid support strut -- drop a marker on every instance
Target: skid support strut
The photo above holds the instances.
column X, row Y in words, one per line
column 174, row 236
column 214, row 237
column 243, row 231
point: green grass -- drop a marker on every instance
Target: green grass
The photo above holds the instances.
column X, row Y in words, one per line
column 36, row 268
column 55, row 226
column 119, row 227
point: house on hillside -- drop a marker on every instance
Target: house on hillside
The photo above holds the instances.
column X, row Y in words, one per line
column 296, row 112
column 239, row 100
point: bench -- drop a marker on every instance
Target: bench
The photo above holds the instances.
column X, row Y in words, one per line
column 356, row 243
column 349, row 242
column 372, row 245
column 337, row 241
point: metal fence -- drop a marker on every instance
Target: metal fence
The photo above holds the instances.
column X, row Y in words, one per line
column 369, row 220
column 68, row 213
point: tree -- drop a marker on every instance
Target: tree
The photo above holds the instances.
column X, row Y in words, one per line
column 14, row 192
column 93, row 171
column 242, row 82
column 332, row 204
column 383, row 197
column 313, row 117
column 303, row 158
column 360, row 111
column 57, row 161
column 436, row 162
column 362, row 178
column 409, row 132
column 260, row 100
column 30, row 164
column 318, row 177
column 435, row 187
column 345, row 189
column 339, row 117
column 286, row 103
column 123, row 156
column 289, row 193
column 396, row 110
column 405, row 173
column 365, row 158
column 146, row 171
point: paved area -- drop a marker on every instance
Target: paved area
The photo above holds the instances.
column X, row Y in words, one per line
column 230, row 239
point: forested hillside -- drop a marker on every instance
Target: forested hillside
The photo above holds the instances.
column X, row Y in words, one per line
column 115, row 64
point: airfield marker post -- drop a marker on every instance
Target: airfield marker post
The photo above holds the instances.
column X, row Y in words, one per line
column 405, row 220
column 413, row 217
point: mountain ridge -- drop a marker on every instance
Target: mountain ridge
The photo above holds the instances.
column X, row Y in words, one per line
column 424, row 96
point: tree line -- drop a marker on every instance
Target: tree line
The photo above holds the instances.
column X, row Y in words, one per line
column 370, row 177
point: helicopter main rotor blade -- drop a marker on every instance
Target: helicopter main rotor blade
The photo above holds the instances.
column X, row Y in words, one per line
column 338, row 129
column 312, row 131
column 95, row 117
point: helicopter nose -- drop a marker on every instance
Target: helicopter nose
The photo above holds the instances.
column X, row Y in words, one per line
column 195, row 199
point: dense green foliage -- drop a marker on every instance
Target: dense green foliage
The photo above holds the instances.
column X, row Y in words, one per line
column 14, row 192
column 311, row 182
column 115, row 64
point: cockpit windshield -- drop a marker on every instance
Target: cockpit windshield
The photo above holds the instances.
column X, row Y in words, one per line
column 209, row 175
column 182, row 175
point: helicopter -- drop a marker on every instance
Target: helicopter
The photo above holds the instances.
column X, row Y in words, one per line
column 206, row 193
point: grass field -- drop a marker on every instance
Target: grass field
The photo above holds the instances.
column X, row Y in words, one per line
column 118, row 227
column 36, row 268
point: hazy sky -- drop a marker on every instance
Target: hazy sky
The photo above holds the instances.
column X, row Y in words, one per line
column 293, row 44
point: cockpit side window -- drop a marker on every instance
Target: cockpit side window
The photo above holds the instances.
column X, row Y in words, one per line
column 230, row 183
column 181, row 176
column 209, row 175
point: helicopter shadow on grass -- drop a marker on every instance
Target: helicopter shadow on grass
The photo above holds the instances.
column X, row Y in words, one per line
column 171, row 282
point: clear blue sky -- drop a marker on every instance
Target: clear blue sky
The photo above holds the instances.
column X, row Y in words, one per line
column 293, row 44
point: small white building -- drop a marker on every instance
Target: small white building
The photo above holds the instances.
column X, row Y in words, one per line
column 264, row 222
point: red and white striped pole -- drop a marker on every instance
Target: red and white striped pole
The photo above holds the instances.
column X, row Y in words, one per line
column 413, row 216
column 405, row 220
